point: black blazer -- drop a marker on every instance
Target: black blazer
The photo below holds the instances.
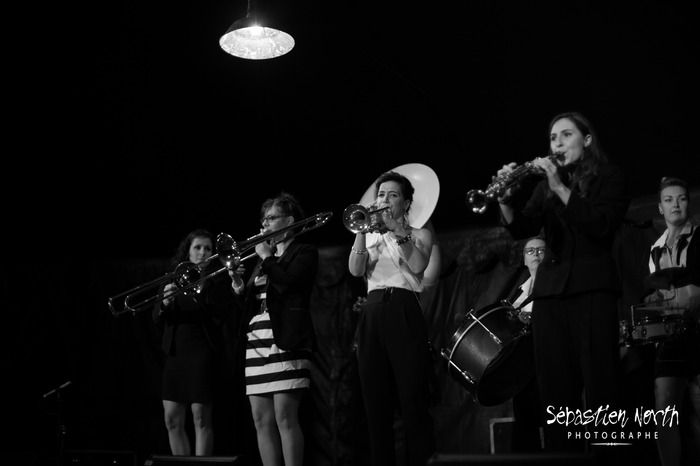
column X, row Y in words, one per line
column 290, row 281
column 211, row 308
column 579, row 235
column 520, row 278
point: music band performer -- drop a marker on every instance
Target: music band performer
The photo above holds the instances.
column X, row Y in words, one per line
column 192, row 340
column 280, row 332
column 526, row 404
column 392, row 339
column 579, row 207
column 675, row 259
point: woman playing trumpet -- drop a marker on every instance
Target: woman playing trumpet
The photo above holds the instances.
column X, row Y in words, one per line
column 392, row 342
column 579, row 206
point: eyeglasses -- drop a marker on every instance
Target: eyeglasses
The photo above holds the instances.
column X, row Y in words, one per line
column 531, row 251
column 270, row 218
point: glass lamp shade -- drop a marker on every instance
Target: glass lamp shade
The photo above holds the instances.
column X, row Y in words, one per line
column 247, row 39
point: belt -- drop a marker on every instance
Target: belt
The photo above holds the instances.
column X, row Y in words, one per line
column 385, row 293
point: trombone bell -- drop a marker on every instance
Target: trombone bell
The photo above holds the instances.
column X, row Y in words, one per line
column 227, row 250
column 187, row 275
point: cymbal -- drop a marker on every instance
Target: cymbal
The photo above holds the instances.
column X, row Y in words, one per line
column 426, row 188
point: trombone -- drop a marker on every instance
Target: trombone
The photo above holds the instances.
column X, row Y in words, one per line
column 189, row 277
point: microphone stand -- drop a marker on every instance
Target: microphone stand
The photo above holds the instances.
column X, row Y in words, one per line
column 61, row 430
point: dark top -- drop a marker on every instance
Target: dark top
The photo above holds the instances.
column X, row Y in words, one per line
column 290, row 282
column 208, row 310
column 579, row 235
column 681, row 276
column 520, row 278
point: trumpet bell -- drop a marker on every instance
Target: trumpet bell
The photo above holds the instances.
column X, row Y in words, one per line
column 478, row 200
column 359, row 219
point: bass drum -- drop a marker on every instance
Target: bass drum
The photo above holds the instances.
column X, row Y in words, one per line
column 491, row 354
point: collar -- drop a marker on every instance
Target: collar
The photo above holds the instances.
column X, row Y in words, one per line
column 659, row 246
column 688, row 230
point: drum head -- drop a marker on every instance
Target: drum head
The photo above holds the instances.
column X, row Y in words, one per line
column 495, row 349
column 509, row 373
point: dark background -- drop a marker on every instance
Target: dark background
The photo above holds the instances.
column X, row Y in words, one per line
column 129, row 126
column 135, row 127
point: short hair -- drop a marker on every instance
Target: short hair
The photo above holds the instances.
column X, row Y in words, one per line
column 532, row 238
column 287, row 203
column 667, row 181
column 406, row 186
column 182, row 253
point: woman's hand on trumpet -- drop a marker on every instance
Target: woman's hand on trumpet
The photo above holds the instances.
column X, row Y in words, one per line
column 504, row 198
column 387, row 218
column 390, row 223
column 551, row 170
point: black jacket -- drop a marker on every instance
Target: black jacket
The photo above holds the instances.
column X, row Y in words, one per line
column 290, row 282
column 210, row 309
column 579, row 235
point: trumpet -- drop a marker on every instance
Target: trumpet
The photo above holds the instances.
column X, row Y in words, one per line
column 189, row 278
column 359, row 219
column 479, row 199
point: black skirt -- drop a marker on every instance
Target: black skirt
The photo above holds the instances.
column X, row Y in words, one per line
column 189, row 368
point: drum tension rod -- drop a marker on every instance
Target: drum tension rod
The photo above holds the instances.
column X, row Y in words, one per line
column 494, row 337
column 465, row 374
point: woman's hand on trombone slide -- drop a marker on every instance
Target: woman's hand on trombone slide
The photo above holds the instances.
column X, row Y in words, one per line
column 236, row 273
column 168, row 290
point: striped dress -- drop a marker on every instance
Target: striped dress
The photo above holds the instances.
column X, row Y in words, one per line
column 270, row 369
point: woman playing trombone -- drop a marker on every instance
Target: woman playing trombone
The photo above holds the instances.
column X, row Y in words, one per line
column 392, row 345
column 280, row 332
column 191, row 324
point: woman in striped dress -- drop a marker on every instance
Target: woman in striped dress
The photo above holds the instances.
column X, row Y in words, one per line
column 280, row 333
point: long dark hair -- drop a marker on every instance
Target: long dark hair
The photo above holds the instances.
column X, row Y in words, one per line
column 183, row 250
column 593, row 155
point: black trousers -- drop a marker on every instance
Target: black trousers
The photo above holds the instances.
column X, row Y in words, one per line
column 394, row 367
column 527, row 411
column 576, row 358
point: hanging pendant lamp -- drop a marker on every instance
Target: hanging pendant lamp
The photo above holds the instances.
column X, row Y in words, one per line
column 254, row 37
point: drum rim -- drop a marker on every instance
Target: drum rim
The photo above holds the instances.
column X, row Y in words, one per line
column 487, row 310
column 653, row 320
